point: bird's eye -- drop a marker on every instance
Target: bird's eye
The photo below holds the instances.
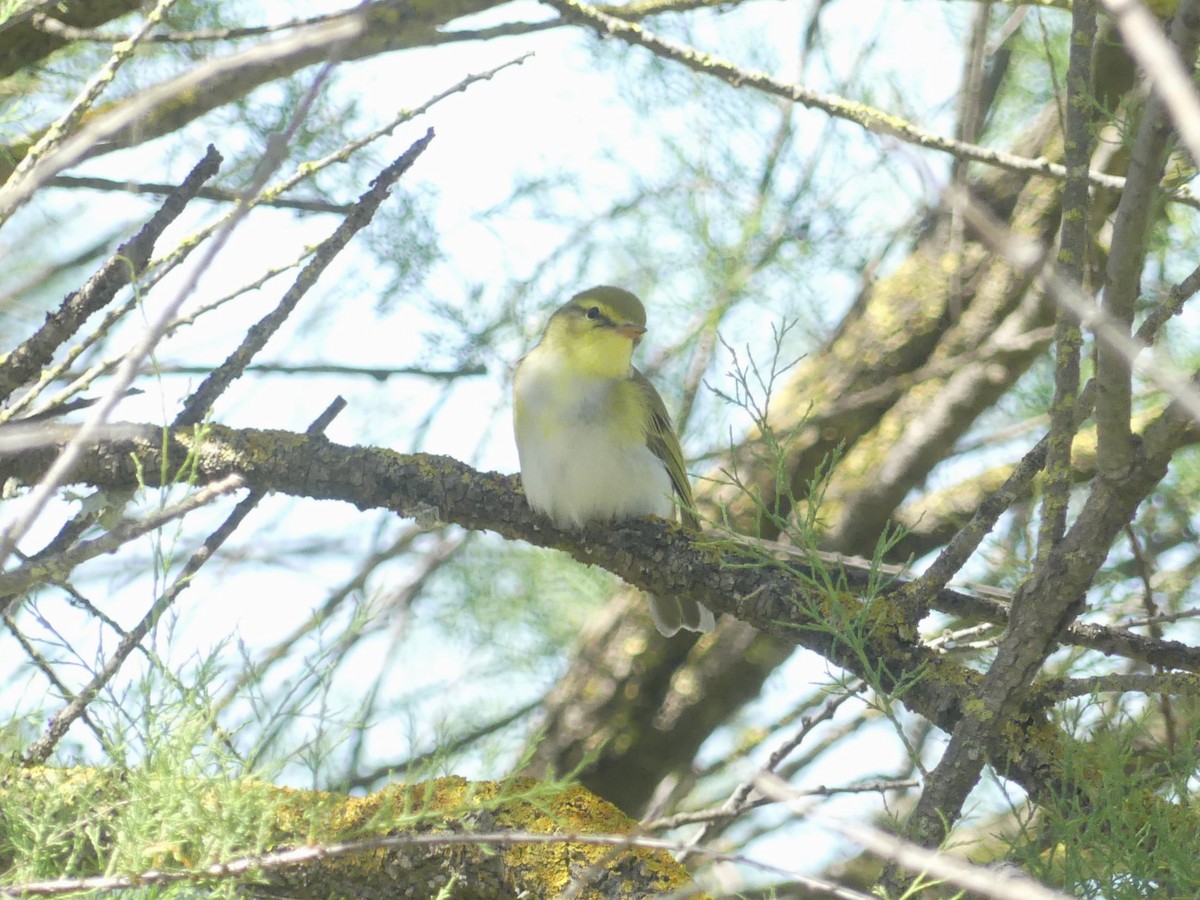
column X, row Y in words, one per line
column 594, row 312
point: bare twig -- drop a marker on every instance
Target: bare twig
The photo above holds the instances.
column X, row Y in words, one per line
column 1161, row 618
column 160, row 267
column 43, row 666
column 319, row 42
column 874, row 120
column 156, row 329
column 130, row 259
column 444, row 749
column 1025, row 253
column 378, row 373
column 218, row 194
column 200, row 402
column 39, row 751
column 1184, row 684
column 53, row 26
column 721, row 814
column 79, row 381
column 984, row 882
column 20, row 579
column 739, row 801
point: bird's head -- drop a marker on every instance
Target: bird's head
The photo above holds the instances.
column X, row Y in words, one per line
column 597, row 329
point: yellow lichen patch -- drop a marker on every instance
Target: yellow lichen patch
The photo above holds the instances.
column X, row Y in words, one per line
column 448, row 809
column 455, row 805
column 884, row 613
column 574, row 810
column 1042, row 739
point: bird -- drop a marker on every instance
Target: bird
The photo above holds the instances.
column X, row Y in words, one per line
column 594, row 438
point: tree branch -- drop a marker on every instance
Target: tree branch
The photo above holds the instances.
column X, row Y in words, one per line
column 199, row 404
column 791, row 601
column 1123, row 275
column 870, row 118
column 220, row 195
column 23, row 43
column 1074, row 243
column 128, row 262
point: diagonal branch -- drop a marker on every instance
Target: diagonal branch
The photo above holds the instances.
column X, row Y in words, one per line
column 39, row 751
column 874, row 120
column 1043, row 606
column 110, row 128
column 128, row 262
column 199, row 404
column 362, row 31
column 67, row 123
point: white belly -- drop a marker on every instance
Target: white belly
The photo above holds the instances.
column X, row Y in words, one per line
column 573, row 468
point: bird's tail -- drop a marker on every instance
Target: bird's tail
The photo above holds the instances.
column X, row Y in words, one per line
column 671, row 615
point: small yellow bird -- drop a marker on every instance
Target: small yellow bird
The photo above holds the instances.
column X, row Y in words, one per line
column 594, row 436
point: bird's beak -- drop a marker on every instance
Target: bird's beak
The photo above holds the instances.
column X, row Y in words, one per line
column 631, row 331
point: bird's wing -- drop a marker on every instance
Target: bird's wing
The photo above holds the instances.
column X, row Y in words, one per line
column 661, row 439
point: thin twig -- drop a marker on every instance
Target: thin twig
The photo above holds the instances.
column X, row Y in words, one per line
column 377, row 373
column 1161, row 618
column 325, row 39
column 160, row 267
column 198, row 405
column 1025, row 253
column 874, row 120
column 82, row 380
column 154, row 332
column 53, row 26
column 984, row 882
column 20, row 579
column 1146, row 575
column 1183, row 684
column 43, row 665
column 720, row 813
column 209, row 193
column 39, row 751
column 739, row 800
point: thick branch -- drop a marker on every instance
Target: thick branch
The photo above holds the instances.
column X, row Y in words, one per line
column 1074, row 242
column 1123, row 276
column 788, row 600
column 1042, row 608
column 487, row 839
column 23, row 43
